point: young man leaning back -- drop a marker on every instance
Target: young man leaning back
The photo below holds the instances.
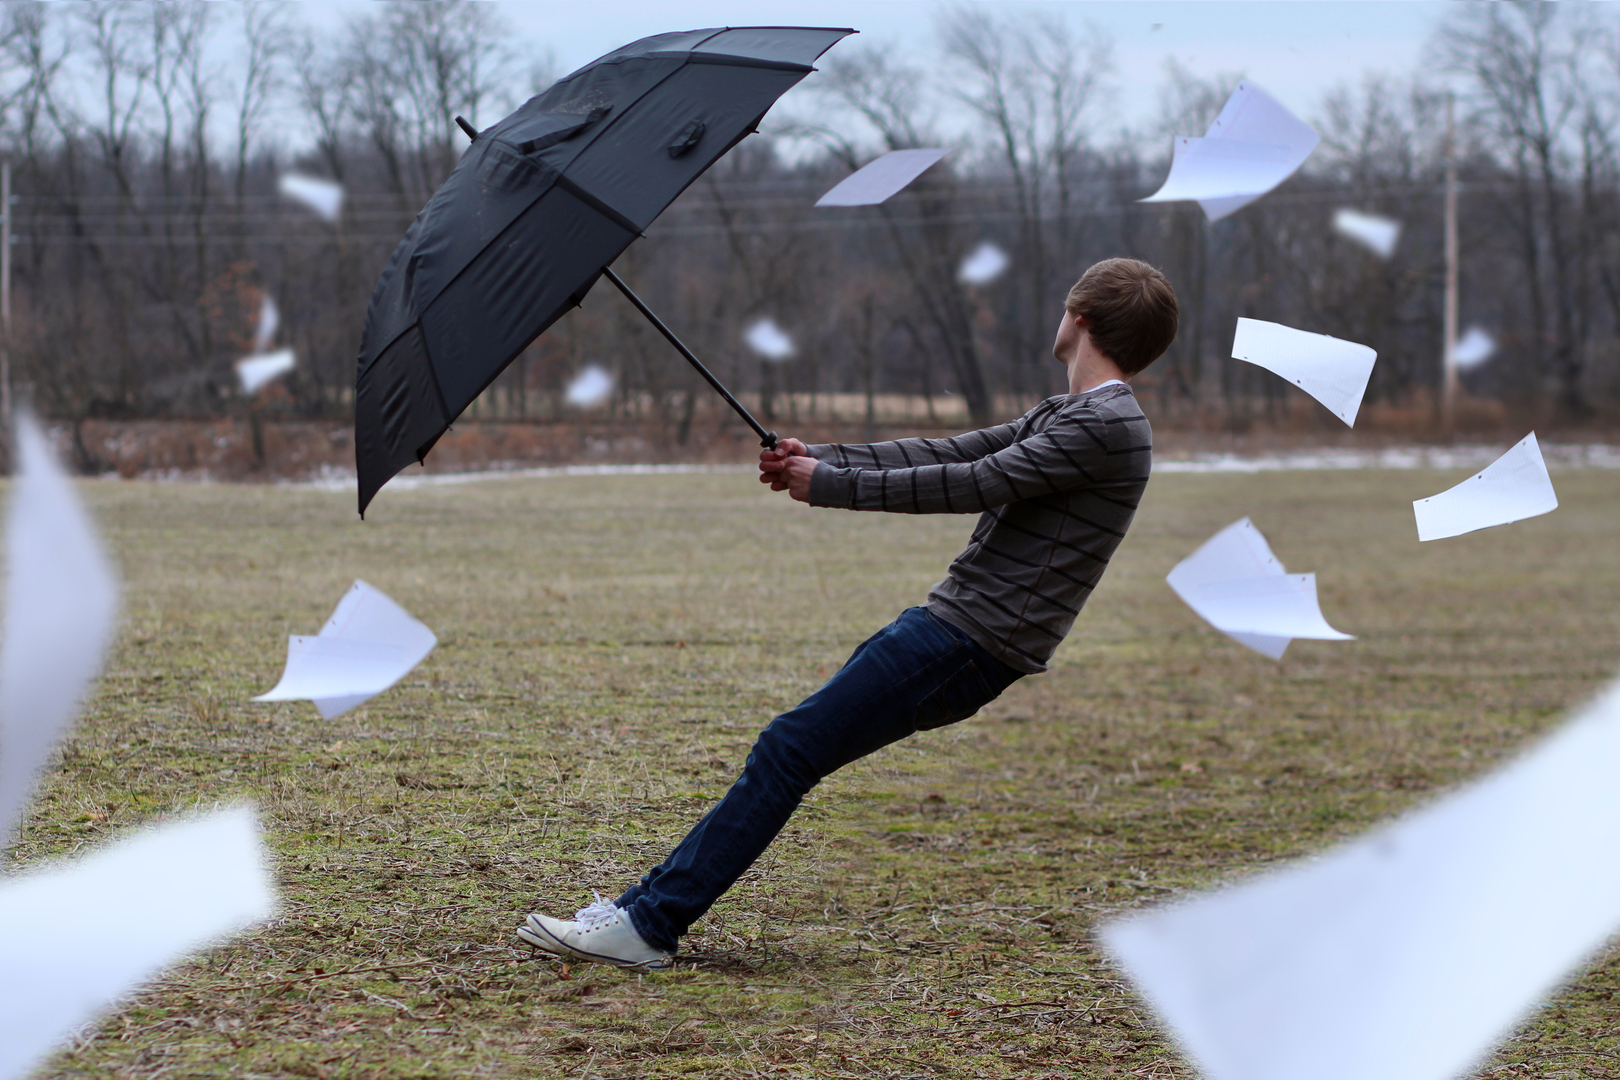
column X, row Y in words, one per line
column 1055, row 491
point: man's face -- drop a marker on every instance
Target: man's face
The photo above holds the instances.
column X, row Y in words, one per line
column 1068, row 338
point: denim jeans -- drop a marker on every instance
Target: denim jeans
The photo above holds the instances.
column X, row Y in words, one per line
column 918, row 672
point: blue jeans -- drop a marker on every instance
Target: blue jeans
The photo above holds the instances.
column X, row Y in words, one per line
column 918, row 672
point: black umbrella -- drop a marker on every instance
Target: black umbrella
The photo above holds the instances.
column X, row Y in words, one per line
column 535, row 211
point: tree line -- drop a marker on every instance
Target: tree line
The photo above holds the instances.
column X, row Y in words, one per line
column 146, row 142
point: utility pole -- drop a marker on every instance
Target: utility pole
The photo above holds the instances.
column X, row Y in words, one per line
column 1448, row 371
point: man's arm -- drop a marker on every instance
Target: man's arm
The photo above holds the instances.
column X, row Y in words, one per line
column 906, row 453
column 1074, row 452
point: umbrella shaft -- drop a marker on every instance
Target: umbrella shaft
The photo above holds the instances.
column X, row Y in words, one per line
column 766, row 438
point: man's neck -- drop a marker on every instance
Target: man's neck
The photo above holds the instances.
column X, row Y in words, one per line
column 1085, row 376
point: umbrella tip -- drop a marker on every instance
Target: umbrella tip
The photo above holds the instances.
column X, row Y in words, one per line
column 472, row 132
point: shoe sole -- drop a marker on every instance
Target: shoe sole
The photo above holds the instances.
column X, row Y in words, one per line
column 543, row 940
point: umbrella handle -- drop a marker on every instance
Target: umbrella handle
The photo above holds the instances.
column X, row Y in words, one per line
column 767, row 439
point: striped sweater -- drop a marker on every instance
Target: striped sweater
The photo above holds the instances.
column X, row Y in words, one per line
column 1056, row 489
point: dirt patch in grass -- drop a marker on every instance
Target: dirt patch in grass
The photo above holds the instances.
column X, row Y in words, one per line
column 608, row 648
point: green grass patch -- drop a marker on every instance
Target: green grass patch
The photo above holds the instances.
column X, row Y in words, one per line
column 609, row 646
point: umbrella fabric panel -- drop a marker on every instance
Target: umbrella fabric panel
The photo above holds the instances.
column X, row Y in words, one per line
column 398, row 413
column 677, row 41
column 513, row 292
column 783, row 44
column 642, row 162
column 494, row 183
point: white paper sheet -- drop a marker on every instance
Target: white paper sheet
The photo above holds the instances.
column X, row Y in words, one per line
column 78, row 936
column 1240, row 588
column 1251, row 147
column 1513, row 487
column 61, row 609
column 1377, row 234
column 1473, row 348
column 769, row 340
column 983, row 265
column 269, row 320
column 881, row 178
column 325, row 197
column 1407, row 954
column 368, row 645
column 255, row 372
column 1331, row 370
column 589, row 388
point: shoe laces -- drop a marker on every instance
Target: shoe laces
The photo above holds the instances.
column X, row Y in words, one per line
column 601, row 913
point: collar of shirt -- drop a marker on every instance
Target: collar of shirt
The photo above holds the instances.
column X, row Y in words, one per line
column 1099, row 386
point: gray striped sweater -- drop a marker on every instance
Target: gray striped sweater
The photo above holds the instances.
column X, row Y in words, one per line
column 1056, row 490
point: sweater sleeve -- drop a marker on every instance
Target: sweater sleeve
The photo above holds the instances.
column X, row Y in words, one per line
column 1073, row 452
column 907, row 453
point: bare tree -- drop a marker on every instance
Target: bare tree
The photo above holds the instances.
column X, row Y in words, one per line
column 266, row 42
column 418, row 65
column 886, row 95
column 1525, row 64
column 1034, row 85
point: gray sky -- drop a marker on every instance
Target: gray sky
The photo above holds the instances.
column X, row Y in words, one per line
column 1298, row 50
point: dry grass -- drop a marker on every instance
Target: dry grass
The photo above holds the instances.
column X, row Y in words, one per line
column 608, row 648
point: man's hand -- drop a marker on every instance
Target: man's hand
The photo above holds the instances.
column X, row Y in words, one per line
column 788, row 468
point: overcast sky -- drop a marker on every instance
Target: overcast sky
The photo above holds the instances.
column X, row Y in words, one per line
column 1298, row 51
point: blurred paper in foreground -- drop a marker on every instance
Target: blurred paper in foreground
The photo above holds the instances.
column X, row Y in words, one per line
column 257, row 371
column 1473, row 348
column 77, row 936
column 1377, row 234
column 1407, row 954
column 61, row 608
column 1240, row 588
column 368, row 645
column 983, row 265
column 1513, row 487
column 880, row 178
column 269, row 320
column 769, row 340
column 325, row 197
column 589, row 388
column 1252, row 146
column 1331, row 370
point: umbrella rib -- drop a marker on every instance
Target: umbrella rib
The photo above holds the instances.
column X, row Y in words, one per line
column 599, row 206
column 766, row 438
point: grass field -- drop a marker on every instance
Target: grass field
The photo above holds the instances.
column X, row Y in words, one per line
column 608, row 648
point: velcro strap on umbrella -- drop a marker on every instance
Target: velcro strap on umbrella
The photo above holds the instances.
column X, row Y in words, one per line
column 535, row 133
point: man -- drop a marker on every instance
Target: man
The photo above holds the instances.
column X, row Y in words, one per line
column 1056, row 491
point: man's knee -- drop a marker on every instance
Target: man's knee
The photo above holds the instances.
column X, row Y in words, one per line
column 780, row 758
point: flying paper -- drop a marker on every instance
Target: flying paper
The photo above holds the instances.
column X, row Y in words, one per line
column 256, row 371
column 325, row 197
column 1513, row 487
column 1376, row 234
column 1333, row 371
column 1406, row 954
column 368, row 645
column 590, row 388
column 769, row 340
column 880, row 178
column 78, row 936
column 984, row 265
column 61, row 607
column 269, row 319
column 1253, row 145
column 1473, row 348
column 1240, row 588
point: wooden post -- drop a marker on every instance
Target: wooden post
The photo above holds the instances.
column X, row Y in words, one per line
column 5, row 295
column 1448, row 370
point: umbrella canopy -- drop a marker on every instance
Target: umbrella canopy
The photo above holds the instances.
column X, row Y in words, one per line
column 538, row 206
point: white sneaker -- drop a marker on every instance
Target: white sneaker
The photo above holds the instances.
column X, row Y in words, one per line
column 601, row 933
